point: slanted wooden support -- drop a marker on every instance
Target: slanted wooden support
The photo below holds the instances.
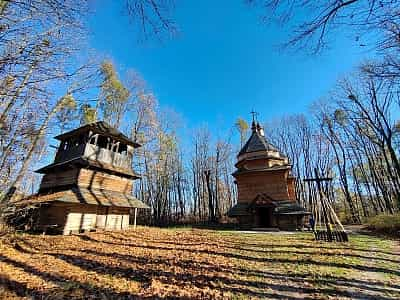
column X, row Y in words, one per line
column 324, row 212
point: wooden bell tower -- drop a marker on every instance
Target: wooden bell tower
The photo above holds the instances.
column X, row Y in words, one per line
column 90, row 183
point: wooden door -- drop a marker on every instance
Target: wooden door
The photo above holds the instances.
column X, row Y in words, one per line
column 265, row 217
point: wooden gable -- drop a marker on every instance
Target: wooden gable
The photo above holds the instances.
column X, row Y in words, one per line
column 263, row 200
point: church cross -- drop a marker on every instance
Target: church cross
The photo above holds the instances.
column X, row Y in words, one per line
column 255, row 114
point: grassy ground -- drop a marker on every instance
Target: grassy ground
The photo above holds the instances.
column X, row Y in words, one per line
column 385, row 224
column 185, row 263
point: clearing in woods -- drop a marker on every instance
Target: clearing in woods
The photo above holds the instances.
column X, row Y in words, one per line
column 186, row 263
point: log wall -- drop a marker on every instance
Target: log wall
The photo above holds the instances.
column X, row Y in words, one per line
column 251, row 185
column 291, row 188
column 54, row 180
column 289, row 222
column 101, row 180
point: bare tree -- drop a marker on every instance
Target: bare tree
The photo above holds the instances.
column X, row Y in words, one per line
column 152, row 18
column 316, row 21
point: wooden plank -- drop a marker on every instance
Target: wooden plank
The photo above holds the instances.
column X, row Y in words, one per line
column 73, row 222
column 125, row 222
column 88, row 221
column 101, row 217
column 117, row 218
column 113, row 222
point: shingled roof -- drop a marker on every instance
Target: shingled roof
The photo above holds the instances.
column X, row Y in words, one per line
column 240, row 209
column 102, row 128
column 285, row 207
column 85, row 196
column 81, row 161
column 289, row 208
column 268, row 169
column 257, row 142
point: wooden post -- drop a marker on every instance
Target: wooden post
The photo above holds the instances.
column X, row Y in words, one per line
column 106, row 219
column 134, row 219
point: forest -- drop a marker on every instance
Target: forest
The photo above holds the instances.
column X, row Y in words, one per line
column 50, row 82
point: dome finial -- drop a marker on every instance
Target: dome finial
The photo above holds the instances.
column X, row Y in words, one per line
column 253, row 126
column 260, row 129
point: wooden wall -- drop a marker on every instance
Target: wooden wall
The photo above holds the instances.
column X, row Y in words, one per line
column 283, row 222
column 117, row 218
column 246, row 222
column 80, row 219
column 53, row 180
column 289, row 222
column 272, row 183
column 101, row 217
column 101, row 180
column 53, row 215
column 255, row 164
column 291, row 188
column 74, row 218
column 88, row 179
column 262, row 163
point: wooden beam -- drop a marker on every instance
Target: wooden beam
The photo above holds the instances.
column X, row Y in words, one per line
column 134, row 219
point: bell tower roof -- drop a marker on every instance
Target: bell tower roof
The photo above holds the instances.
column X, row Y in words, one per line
column 97, row 146
column 100, row 127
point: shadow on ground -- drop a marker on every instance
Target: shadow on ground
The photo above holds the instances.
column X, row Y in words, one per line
column 199, row 264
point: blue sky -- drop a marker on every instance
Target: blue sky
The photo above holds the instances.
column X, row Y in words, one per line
column 223, row 64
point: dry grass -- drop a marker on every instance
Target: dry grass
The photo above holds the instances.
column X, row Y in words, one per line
column 202, row 264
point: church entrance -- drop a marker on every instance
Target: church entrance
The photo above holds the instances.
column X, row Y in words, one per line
column 265, row 217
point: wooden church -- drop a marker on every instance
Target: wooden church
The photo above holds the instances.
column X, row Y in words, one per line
column 90, row 183
column 266, row 188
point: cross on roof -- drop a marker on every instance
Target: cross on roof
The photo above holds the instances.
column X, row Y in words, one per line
column 255, row 114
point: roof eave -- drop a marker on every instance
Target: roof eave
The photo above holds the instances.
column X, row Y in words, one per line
column 87, row 163
column 121, row 137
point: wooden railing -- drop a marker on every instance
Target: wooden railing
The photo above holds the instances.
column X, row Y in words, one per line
column 107, row 156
